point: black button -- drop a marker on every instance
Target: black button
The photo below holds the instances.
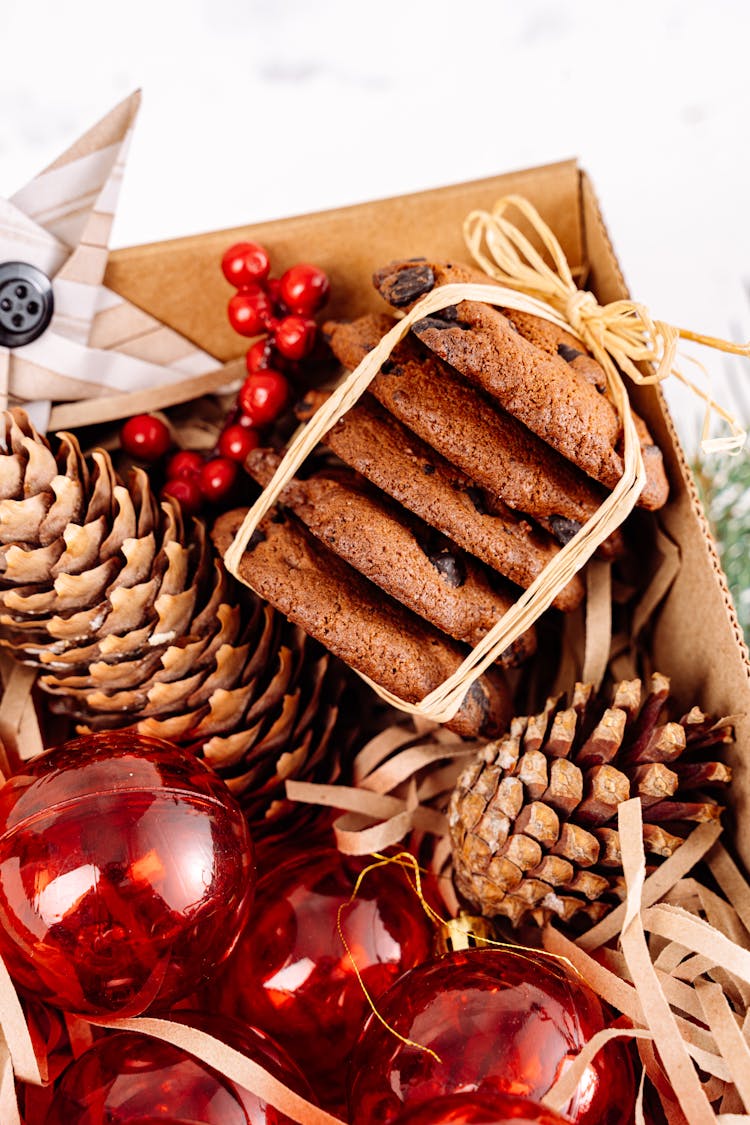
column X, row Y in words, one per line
column 26, row 303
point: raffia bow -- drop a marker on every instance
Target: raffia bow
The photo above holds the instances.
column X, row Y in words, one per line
column 622, row 333
column 620, row 336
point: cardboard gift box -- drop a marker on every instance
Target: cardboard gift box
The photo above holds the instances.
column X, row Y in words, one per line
column 694, row 637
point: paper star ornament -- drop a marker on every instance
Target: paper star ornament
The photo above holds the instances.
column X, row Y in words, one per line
column 72, row 351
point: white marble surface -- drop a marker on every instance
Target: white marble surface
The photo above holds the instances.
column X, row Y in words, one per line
column 261, row 108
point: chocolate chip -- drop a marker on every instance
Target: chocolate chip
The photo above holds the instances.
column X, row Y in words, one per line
column 256, row 538
column 450, row 568
column 567, row 353
column 438, row 322
column 386, row 367
column 477, row 500
column 428, row 469
column 439, row 550
column 564, row 529
column 478, row 694
column 407, row 285
column 450, row 312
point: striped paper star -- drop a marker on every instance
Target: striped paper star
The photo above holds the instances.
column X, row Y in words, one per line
column 99, row 353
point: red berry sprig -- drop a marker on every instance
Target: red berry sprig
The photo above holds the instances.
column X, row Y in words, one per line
column 280, row 311
column 282, row 308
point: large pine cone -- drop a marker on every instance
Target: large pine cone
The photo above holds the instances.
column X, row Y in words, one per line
column 132, row 620
column 533, row 818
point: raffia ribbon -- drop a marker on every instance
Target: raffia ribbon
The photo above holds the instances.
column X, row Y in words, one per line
column 622, row 332
column 618, row 335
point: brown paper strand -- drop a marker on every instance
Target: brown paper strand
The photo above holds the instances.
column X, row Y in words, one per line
column 728, row 876
column 9, row 1114
column 16, row 1033
column 598, row 621
column 565, row 1087
column 659, row 1016
column 109, row 408
column 728, row 1036
column 666, row 875
column 625, row 998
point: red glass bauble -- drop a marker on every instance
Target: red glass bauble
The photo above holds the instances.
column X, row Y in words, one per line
column 132, row 1078
column 126, row 874
column 145, row 437
column 244, row 264
column 304, row 289
column 290, row 973
column 501, row 1021
column 477, row 1109
column 128, row 1077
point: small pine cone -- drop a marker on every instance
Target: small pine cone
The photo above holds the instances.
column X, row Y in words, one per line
column 132, row 620
column 533, row 818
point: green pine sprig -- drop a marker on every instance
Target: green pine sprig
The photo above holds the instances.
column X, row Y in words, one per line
column 724, row 485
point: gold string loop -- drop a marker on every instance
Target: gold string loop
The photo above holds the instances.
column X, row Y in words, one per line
column 621, row 332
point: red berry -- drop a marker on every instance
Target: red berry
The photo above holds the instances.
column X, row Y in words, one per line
column 295, row 336
column 217, row 477
column 304, row 289
column 272, row 289
column 249, row 310
column 263, row 396
column 186, row 463
column 244, row 264
column 187, row 491
column 259, row 355
column 145, row 437
column 237, row 441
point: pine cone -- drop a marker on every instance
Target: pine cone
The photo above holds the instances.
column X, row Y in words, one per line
column 133, row 620
column 533, row 818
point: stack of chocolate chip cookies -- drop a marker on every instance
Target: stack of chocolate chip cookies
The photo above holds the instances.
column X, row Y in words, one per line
column 482, row 445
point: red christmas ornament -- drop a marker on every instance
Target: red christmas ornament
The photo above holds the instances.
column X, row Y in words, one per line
column 294, row 336
column 291, row 974
column 186, row 463
column 245, row 263
column 478, row 1109
column 249, row 311
column 500, row 1021
column 145, row 437
column 126, row 874
column 128, row 1079
column 304, row 289
column 263, row 396
column 217, row 477
column 187, row 492
column 237, row 441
